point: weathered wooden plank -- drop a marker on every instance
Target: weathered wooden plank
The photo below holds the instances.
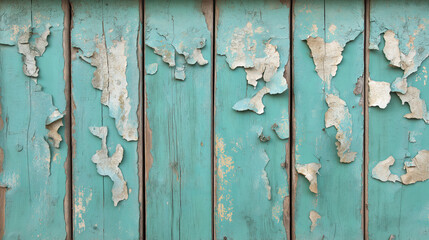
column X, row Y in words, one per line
column 252, row 195
column 178, row 119
column 326, row 34
column 105, row 92
column 398, row 209
column 32, row 82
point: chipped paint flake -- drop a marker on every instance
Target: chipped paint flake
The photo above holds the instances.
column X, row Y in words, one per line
column 396, row 57
column 309, row 171
column 338, row 115
column 382, row 171
column 186, row 41
column 418, row 171
column 109, row 166
column 264, row 67
column 261, row 135
column 31, row 51
column 359, row 87
column 254, row 104
column 53, row 132
column 152, row 68
column 417, row 105
column 399, row 85
column 326, row 57
column 379, row 94
column 110, row 77
column 281, row 129
column 314, row 216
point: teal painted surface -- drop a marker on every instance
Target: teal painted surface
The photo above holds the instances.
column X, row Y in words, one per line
column 250, row 176
column 95, row 216
column 394, row 208
column 340, row 185
column 33, row 169
column 178, row 122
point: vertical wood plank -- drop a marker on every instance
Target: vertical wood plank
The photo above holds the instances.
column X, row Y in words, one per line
column 178, row 117
column 336, row 206
column 398, row 209
column 106, row 30
column 252, row 195
column 32, row 178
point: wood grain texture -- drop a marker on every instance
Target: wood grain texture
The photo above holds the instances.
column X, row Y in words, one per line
column 178, row 121
column 339, row 185
column 252, row 192
column 95, row 216
column 33, row 179
column 393, row 208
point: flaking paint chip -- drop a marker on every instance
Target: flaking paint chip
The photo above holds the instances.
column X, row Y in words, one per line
column 326, row 57
column 254, row 104
column 418, row 171
column 382, row 171
column 338, row 115
column 379, row 94
column 109, row 166
column 309, row 171
column 314, row 216
column 417, row 105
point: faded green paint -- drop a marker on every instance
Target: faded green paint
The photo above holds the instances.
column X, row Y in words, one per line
column 94, row 213
column 33, row 169
column 393, row 208
column 250, row 173
column 178, row 121
column 340, row 185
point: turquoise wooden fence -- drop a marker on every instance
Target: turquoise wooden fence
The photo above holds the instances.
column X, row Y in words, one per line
column 199, row 119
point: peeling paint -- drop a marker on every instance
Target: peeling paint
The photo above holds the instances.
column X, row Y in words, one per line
column 31, row 51
column 110, row 77
column 382, row 171
column 281, row 128
column 314, row 216
column 338, row 115
column 417, row 105
column 418, row 171
column 254, row 104
column 326, row 57
column 152, row 68
column 250, row 47
column 396, row 57
column 109, row 166
column 399, row 85
column 261, row 135
column 379, row 94
column 187, row 40
column 309, row 171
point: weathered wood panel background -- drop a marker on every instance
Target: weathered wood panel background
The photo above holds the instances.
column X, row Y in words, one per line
column 200, row 119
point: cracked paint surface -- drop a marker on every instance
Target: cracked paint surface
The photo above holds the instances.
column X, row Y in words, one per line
column 328, row 62
column 253, row 45
column 109, row 166
column 116, row 80
column 252, row 53
column 32, row 84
